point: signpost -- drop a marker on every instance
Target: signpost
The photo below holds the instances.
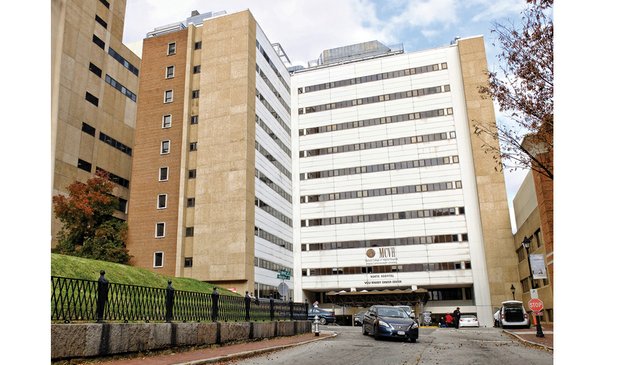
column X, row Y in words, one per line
column 283, row 289
column 536, row 306
column 284, row 275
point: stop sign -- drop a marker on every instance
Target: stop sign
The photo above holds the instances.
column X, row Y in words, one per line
column 535, row 304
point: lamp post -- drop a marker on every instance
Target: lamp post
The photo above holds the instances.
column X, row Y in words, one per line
column 512, row 289
column 526, row 244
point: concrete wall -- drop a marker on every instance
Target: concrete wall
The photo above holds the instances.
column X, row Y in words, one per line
column 103, row 339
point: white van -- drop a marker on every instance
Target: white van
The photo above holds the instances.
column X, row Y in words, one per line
column 513, row 314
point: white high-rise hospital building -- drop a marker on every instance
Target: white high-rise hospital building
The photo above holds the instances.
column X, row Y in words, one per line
column 393, row 201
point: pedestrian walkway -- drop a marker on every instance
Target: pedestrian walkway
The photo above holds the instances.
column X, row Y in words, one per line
column 528, row 335
column 217, row 353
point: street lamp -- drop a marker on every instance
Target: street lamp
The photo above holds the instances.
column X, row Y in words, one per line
column 512, row 289
column 526, row 244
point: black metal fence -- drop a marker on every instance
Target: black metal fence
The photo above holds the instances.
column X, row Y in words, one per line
column 90, row 300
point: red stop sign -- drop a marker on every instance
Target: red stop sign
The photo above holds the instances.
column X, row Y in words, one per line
column 535, row 304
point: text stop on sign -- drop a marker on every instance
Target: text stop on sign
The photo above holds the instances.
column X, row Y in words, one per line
column 535, row 304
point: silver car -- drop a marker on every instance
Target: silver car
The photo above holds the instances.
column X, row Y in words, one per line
column 358, row 318
column 468, row 320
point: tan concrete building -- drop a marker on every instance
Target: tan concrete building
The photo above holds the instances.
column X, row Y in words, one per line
column 94, row 95
column 211, row 181
column 533, row 215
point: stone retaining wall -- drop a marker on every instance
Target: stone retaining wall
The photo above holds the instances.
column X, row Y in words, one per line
column 103, row 339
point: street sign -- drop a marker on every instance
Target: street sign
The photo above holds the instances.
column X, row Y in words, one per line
column 535, row 304
column 283, row 274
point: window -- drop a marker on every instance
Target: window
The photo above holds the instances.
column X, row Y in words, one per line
column 94, row 69
column 189, row 231
column 92, row 99
column 123, row 61
column 160, row 230
column 194, row 119
column 158, row 259
column 165, row 147
column 98, row 41
column 189, row 261
column 191, row 202
column 169, row 72
column 197, row 69
column 101, row 21
column 83, row 165
column 193, row 146
column 163, row 174
column 195, row 94
column 166, row 121
column 168, row 96
column 88, row 129
column 118, row 86
column 162, row 200
column 192, row 174
column 198, row 45
column 172, row 48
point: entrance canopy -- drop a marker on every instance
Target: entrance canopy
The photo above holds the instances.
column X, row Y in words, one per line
column 368, row 298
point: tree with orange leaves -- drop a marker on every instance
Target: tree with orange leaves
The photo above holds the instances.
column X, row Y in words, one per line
column 89, row 229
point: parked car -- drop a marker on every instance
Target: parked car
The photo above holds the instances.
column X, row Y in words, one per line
column 468, row 320
column 407, row 309
column 325, row 316
column 358, row 318
column 389, row 322
column 513, row 314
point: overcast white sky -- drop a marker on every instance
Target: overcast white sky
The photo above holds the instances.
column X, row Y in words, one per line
column 305, row 28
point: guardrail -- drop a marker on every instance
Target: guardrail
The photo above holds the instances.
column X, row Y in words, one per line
column 90, row 300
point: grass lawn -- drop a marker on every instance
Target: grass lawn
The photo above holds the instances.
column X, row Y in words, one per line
column 80, row 268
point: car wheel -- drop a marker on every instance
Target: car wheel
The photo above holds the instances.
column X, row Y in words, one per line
column 375, row 333
column 322, row 320
column 413, row 339
column 364, row 332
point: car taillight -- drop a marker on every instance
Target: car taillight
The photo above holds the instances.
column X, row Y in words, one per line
column 503, row 316
column 525, row 315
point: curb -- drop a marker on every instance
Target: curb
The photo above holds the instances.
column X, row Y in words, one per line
column 245, row 354
column 544, row 347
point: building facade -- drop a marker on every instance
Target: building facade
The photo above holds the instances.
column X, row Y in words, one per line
column 532, row 220
column 396, row 201
column 94, row 96
column 212, row 181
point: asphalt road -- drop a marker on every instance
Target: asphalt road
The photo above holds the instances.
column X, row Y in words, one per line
column 443, row 346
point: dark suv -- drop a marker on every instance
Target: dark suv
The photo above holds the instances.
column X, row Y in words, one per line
column 325, row 316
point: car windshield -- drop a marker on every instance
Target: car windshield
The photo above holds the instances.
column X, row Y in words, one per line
column 392, row 312
column 468, row 316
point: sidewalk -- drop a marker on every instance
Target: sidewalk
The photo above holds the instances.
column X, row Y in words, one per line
column 528, row 335
column 215, row 353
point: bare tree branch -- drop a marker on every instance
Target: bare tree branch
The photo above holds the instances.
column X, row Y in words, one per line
column 523, row 90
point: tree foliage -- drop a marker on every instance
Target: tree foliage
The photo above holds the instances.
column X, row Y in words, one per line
column 523, row 89
column 88, row 227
